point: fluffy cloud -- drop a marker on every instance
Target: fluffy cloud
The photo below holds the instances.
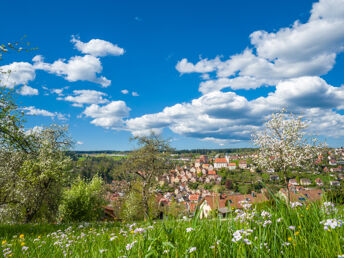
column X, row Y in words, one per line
column 77, row 68
column 27, row 91
column 34, row 130
column 226, row 116
column 82, row 97
column 32, row 111
column 108, row 116
column 135, row 94
column 308, row 49
column 17, row 73
column 97, row 47
column 124, row 91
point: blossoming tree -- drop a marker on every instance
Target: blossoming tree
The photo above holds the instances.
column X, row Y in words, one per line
column 284, row 145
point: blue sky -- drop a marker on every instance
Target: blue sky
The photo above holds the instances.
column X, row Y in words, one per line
column 204, row 73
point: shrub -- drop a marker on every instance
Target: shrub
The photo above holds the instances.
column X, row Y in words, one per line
column 83, row 201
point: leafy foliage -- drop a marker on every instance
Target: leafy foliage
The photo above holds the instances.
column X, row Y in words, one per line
column 83, row 201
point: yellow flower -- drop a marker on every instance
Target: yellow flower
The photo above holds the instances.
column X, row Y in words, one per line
column 22, row 244
column 289, row 238
column 21, row 236
column 39, row 237
column 296, row 233
column 3, row 242
column 132, row 232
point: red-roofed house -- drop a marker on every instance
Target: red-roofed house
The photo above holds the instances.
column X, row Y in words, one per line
column 232, row 166
column 220, row 163
column 243, row 164
column 223, row 204
column 212, row 172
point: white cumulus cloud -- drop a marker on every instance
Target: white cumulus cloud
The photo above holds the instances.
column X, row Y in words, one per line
column 108, row 116
column 77, row 68
column 81, row 97
column 27, row 91
column 17, row 73
column 97, row 47
column 303, row 49
column 33, row 111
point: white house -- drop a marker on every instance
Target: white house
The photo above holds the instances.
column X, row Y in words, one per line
column 220, row 163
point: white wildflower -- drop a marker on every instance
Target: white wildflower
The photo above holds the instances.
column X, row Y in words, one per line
column 192, row 249
column 189, row 229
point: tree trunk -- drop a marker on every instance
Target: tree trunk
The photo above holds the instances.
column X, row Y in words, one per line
column 145, row 202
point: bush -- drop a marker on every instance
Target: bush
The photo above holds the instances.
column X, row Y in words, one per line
column 83, row 201
column 134, row 205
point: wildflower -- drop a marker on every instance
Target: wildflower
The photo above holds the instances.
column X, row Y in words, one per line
column 267, row 222
column 279, row 220
column 21, row 236
column 22, row 244
column 139, row 230
column 189, row 229
column 129, row 246
column 113, row 238
column 289, row 239
column 3, row 242
column 265, row 214
column 296, row 233
column 291, row 227
column 165, row 251
column 24, row 248
column 192, row 249
column 248, row 242
column 102, row 250
column 332, row 223
column 286, row 243
column 295, row 204
column 212, row 247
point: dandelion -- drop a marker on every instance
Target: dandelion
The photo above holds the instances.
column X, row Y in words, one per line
column 296, row 233
column 192, row 249
column 21, row 236
column 289, row 239
column 22, row 244
column 3, row 242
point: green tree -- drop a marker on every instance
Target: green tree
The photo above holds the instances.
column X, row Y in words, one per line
column 83, row 201
column 146, row 163
column 134, row 204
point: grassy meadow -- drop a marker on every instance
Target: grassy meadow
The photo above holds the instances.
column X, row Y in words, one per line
column 313, row 230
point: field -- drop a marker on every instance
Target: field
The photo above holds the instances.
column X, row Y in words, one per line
column 273, row 230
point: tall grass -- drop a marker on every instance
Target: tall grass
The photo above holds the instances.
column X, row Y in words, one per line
column 279, row 231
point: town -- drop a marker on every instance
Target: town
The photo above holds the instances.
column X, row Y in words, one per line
column 223, row 181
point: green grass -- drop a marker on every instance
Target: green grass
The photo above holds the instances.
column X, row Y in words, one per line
column 169, row 238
